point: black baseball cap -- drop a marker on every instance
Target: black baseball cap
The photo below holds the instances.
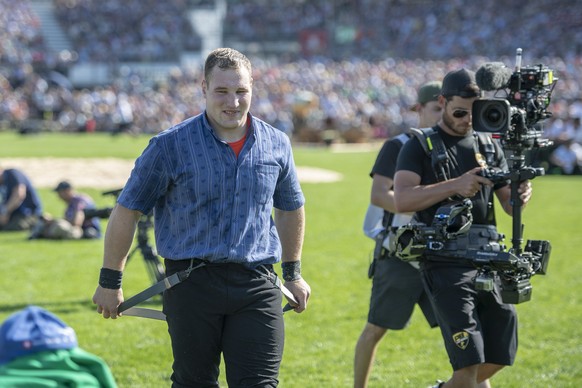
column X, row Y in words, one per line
column 460, row 83
column 64, row 185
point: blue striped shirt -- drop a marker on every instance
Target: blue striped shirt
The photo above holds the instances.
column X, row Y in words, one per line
column 207, row 203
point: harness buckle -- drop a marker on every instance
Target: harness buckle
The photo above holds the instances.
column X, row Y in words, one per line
column 435, row 245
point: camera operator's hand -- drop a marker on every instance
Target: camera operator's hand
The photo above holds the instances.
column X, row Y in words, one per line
column 525, row 191
column 107, row 301
column 469, row 184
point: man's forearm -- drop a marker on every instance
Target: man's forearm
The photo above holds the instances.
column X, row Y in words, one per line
column 291, row 229
column 119, row 237
column 419, row 197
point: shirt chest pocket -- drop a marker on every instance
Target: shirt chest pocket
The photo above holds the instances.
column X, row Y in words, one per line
column 265, row 181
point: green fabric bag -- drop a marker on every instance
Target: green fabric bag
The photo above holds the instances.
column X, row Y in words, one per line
column 71, row 368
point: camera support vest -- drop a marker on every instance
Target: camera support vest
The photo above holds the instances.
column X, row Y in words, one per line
column 434, row 147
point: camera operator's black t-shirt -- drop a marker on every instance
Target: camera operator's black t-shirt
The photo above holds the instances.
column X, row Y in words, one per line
column 461, row 152
column 385, row 164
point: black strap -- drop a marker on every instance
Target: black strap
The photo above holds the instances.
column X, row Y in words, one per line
column 177, row 278
column 435, row 148
column 488, row 147
column 164, row 284
column 439, row 158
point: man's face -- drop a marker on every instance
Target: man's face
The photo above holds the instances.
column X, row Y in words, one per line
column 228, row 98
column 65, row 194
column 457, row 114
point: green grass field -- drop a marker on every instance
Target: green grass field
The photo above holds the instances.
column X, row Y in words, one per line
column 61, row 277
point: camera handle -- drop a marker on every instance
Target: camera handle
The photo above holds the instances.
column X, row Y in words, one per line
column 518, row 173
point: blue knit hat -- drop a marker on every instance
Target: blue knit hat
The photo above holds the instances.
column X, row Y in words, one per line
column 33, row 330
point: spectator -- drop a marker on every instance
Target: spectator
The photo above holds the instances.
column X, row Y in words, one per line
column 21, row 206
column 568, row 154
column 75, row 224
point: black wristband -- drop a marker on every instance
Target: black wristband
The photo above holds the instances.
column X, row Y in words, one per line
column 291, row 270
column 110, row 278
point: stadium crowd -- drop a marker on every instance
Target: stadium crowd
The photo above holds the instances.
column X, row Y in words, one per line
column 414, row 29
column 312, row 99
column 130, row 30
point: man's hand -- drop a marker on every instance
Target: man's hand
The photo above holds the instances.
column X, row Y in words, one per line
column 301, row 290
column 469, row 184
column 525, row 191
column 107, row 301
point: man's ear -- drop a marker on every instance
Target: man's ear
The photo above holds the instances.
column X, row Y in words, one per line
column 442, row 101
column 204, row 87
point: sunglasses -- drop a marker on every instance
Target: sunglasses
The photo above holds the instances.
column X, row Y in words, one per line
column 459, row 113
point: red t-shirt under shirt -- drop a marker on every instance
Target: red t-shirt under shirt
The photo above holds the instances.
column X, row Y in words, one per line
column 238, row 145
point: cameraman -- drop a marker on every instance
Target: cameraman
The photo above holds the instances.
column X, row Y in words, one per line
column 396, row 285
column 479, row 331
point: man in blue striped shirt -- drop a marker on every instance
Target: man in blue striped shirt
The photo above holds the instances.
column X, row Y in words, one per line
column 213, row 182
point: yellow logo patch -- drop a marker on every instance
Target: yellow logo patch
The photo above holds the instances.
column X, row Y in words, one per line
column 461, row 339
column 480, row 159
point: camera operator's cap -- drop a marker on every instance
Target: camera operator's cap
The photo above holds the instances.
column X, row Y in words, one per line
column 33, row 330
column 427, row 92
column 460, row 83
column 64, row 185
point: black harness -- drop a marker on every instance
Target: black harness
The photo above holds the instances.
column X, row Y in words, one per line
column 434, row 147
column 442, row 164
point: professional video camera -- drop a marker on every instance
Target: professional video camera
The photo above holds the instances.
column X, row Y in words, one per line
column 410, row 241
column 153, row 263
column 525, row 96
column 513, row 116
column 452, row 238
column 514, row 270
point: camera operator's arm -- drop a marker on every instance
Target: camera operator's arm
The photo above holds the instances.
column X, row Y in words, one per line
column 504, row 196
column 382, row 194
column 410, row 196
column 118, row 239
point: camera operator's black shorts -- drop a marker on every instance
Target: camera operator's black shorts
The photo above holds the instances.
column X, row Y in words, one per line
column 477, row 327
column 396, row 288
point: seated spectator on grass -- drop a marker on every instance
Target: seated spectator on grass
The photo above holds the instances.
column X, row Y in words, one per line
column 74, row 225
column 20, row 204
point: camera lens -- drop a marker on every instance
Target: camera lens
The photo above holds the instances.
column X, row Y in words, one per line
column 491, row 115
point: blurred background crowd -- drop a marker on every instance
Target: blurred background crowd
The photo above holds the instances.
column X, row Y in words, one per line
column 337, row 70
